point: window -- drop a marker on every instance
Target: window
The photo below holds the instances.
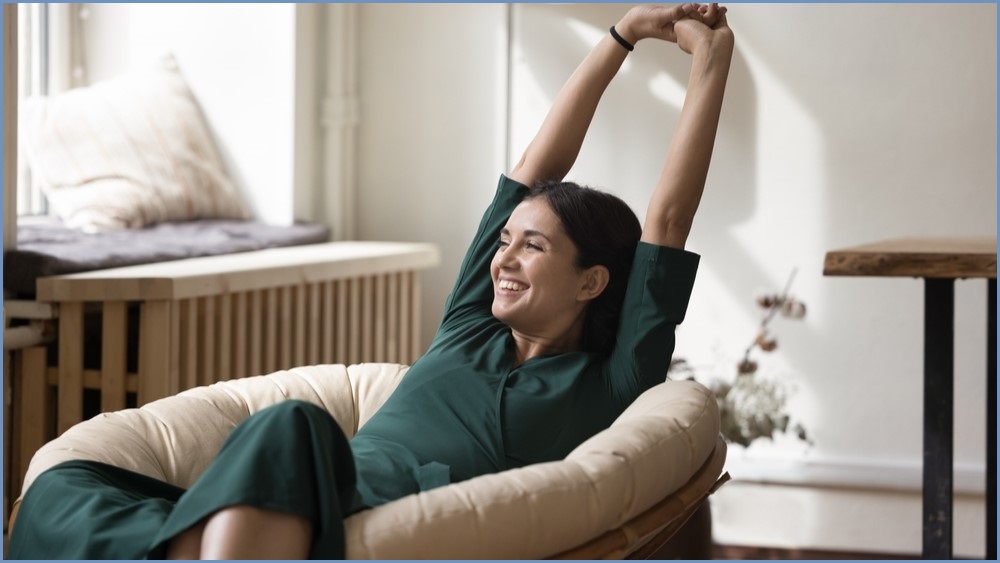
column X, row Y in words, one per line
column 50, row 60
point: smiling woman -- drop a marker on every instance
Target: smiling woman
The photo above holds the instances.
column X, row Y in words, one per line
column 580, row 237
column 527, row 364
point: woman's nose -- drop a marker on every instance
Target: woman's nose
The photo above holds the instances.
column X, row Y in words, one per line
column 506, row 258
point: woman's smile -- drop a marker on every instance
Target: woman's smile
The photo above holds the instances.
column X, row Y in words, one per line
column 505, row 286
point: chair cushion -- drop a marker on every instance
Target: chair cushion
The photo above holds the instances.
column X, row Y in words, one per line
column 650, row 451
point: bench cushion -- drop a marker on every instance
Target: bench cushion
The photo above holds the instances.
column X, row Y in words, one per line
column 46, row 247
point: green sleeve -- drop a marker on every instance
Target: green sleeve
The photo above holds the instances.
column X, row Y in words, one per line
column 473, row 290
column 656, row 300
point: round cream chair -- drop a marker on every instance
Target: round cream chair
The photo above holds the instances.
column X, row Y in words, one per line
column 622, row 493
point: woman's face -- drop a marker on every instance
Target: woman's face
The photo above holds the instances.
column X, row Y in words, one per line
column 536, row 284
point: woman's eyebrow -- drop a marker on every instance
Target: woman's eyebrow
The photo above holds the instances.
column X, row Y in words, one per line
column 528, row 233
column 534, row 233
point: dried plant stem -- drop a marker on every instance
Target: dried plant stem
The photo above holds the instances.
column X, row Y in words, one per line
column 771, row 312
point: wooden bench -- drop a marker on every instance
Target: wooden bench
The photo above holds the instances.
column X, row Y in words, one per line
column 204, row 320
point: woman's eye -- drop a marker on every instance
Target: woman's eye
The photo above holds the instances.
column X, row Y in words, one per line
column 533, row 246
column 502, row 243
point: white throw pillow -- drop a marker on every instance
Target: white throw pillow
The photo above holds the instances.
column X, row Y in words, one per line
column 128, row 152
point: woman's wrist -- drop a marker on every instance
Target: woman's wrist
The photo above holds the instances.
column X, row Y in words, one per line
column 625, row 31
column 712, row 44
column 718, row 46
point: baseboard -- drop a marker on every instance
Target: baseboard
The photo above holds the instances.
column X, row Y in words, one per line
column 969, row 479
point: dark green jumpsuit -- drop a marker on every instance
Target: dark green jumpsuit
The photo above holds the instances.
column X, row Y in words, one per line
column 462, row 410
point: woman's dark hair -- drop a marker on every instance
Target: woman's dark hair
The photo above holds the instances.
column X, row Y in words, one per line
column 605, row 231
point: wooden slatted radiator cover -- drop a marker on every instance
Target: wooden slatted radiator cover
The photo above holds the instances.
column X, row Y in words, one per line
column 210, row 319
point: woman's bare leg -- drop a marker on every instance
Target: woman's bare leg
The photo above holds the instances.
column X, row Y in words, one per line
column 187, row 544
column 248, row 532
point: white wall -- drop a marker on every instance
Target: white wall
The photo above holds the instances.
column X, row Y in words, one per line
column 843, row 124
column 240, row 61
column 432, row 132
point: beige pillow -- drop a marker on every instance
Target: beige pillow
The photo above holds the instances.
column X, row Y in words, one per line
column 128, row 152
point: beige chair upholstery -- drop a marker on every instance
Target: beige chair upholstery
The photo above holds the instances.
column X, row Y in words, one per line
column 647, row 472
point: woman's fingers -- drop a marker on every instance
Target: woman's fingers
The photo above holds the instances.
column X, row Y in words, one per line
column 663, row 17
column 712, row 14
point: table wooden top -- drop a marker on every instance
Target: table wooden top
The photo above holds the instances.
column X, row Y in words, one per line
column 929, row 257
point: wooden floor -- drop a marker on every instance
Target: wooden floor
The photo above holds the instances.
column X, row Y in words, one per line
column 754, row 553
column 760, row 553
column 690, row 550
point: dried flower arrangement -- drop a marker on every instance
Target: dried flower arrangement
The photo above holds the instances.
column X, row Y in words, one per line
column 753, row 407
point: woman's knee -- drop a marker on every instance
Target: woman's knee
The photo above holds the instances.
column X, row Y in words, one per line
column 187, row 544
column 292, row 412
column 294, row 409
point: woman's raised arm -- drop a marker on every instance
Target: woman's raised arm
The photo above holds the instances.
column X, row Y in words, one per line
column 552, row 152
column 675, row 199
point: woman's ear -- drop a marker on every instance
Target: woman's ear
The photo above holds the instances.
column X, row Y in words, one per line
column 595, row 279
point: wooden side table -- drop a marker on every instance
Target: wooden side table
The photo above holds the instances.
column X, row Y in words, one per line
column 939, row 261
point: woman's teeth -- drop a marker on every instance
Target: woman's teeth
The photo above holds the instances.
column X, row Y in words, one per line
column 511, row 285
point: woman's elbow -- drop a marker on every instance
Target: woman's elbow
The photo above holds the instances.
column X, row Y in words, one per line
column 667, row 232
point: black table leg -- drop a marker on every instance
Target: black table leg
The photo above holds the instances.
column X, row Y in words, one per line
column 939, row 391
column 991, row 419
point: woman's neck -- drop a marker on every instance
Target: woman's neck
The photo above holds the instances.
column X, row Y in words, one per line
column 528, row 346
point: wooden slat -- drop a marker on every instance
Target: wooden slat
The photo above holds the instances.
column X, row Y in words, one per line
column 113, row 351
column 34, row 409
column 354, row 326
column 70, row 393
column 415, row 344
column 286, row 328
column 972, row 257
column 240, row 335
column 298, row 348
column 392, row 320
column 189, row 343
column 255, row 351
column 207, row 371
column 271, row 322
column 367, row 324
column 328, row 332
column 314, row 303
column 343, row 314
column 405, row 317
column 159, row 335
column 225, row 352
column 381, row 325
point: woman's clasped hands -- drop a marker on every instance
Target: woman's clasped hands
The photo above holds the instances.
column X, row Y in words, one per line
column 690, row 25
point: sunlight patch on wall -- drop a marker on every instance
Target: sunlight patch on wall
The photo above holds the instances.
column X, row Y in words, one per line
column 532, row 103
column 668, row 90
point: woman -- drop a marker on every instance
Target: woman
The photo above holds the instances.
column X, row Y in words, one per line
column 563, row 313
